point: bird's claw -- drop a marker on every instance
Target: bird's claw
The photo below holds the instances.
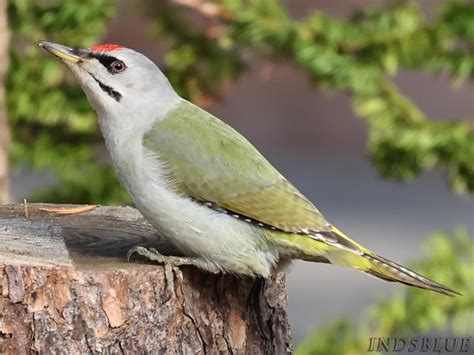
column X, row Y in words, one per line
column 166, row 261
column 132, row 251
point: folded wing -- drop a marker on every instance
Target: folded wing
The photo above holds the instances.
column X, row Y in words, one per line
column 211, row 162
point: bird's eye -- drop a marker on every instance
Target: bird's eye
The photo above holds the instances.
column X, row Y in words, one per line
column 117, row 67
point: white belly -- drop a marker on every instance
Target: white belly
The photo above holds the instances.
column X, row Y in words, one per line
column 226, row 243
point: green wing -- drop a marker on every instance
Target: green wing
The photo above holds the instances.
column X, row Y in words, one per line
column 210, row 161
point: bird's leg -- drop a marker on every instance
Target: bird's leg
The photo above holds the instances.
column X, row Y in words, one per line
column 168, row 262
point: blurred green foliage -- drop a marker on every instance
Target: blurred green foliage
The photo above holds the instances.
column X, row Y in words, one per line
column 358, row 56
column 54, row 127
column 413, row 312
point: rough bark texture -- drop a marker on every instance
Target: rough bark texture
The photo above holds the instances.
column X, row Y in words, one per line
column 4, row 129
column 66, row 287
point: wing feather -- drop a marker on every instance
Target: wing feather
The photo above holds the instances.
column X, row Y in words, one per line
column 211, row 162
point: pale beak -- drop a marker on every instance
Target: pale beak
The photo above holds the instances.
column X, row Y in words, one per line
column 62, row 52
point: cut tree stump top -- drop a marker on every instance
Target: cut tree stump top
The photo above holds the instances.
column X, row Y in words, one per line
column 66, row 287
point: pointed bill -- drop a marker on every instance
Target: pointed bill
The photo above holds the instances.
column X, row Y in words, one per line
column 62, row 52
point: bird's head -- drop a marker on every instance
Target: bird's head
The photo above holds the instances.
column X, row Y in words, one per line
column 119, row 82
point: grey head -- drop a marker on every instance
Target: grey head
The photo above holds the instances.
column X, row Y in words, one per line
column 119, row 82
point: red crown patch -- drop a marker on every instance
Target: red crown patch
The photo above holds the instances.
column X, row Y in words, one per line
column 105, row 47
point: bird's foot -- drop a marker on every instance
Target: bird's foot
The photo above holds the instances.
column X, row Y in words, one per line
column 169, row 263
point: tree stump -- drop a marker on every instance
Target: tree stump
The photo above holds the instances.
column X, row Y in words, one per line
column 66, row 287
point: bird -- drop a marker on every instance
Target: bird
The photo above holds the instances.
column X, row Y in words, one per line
column 204, row 187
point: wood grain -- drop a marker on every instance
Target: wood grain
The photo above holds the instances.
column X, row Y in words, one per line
column 66, row 287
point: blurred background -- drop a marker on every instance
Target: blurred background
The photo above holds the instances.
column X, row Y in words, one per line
column 366, row 106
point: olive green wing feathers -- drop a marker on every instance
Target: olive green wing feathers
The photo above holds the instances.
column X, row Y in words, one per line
column 211, row 162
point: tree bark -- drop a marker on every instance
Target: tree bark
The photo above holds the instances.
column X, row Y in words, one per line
column 66, row 287
column 4, row 129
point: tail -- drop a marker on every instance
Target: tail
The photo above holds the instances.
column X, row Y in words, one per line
column 346, row 252
column 389, row 271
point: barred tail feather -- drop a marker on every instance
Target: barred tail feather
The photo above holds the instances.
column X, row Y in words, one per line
column 390, row 271
column 336, row 248
column 376, row 265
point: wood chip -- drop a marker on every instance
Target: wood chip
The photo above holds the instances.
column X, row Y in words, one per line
column 25, row 208
column 68, row 211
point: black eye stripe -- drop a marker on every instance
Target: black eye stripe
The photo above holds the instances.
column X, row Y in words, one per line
column 105, row 60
